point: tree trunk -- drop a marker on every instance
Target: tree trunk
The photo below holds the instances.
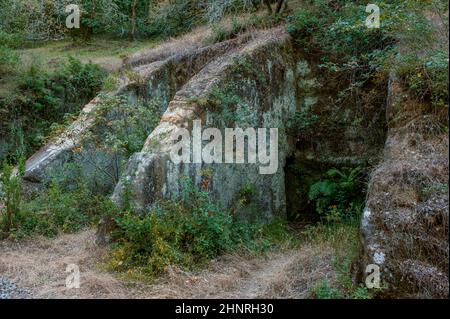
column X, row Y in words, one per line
column 269, row 7
column 133, row 20
column 279, row 6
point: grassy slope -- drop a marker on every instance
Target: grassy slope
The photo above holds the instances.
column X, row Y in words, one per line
column 107, row 53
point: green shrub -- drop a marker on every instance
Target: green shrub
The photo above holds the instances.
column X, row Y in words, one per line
column 10, row 195
column 43, row 98
column 303, row 23
column 176, row 17
column 10, row 40
column 128, row 124
column 334, row 36
column 357, row 57
column 426, row 77
column 322, row 290
column 9, row 61
column 338, row 196
column 58, row 209
column 187, row 232
column 302, row 121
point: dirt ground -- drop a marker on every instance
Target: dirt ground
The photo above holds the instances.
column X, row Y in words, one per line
column 40, row 266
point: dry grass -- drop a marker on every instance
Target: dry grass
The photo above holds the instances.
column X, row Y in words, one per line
column 189, row 42
column 408, row 198
column 184, row 44
column 40, row 264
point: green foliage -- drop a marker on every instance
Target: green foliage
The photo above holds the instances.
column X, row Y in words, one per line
column 218, row 9
column 122, row 126
column 244, row 65
column 9, row 61
column 303, row 121
column 43, row 98
column 175, row 17
column 347, row 49
column 218, row 100
column 129, row 124
column 322, row 290
column 246, row 194
column 344, row 241
column 361, row 292
column 10, row 195
column 219, row 34
column 356, row 56
column 229, row 106
column 187, row 232
column 58, row 209
column 302, row 23
column 10, row 40
column 426, row 76
column 338, row 197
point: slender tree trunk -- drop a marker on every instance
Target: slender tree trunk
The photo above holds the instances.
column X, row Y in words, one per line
column 133, row 20
column 269, row 7
column 279, row 6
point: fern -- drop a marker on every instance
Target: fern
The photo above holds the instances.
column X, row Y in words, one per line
column 337, row 192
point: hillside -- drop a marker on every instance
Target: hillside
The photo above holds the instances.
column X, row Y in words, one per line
column 115, row 156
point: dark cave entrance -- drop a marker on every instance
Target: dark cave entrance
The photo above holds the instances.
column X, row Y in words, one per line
column 301, row 174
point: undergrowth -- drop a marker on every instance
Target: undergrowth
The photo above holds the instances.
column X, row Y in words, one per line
column 358, row 57
column 54, row 210
column 41, row 99
column 344, row 240
column 187, row 233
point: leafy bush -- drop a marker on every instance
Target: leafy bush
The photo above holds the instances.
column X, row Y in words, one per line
column 43, row 98
column 338, row 196
column 10, row 40
column 120, row 131
column 9, row 61
column 10, row 195
column 58, row 209
column 322, row 290
column 185, row 233
column 303, row 120
column 302, row 23
column 129, row 124
column 426, row 77
column 355, row 56
column 176, row 17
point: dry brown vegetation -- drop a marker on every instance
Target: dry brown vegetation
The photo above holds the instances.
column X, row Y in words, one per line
column 408, row 197
column 40, row 265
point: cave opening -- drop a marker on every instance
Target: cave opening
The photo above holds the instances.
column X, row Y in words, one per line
column 340, row 187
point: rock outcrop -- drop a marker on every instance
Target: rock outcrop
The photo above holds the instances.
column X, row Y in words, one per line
column 406, row 219
column 257, row 71
column 261, row 75
column 158, row 80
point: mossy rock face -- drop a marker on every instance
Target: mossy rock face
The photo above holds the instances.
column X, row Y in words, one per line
column 254, row 86
column 141, row 83
column 405, row 223
column 261, row 84
column 327, row 134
